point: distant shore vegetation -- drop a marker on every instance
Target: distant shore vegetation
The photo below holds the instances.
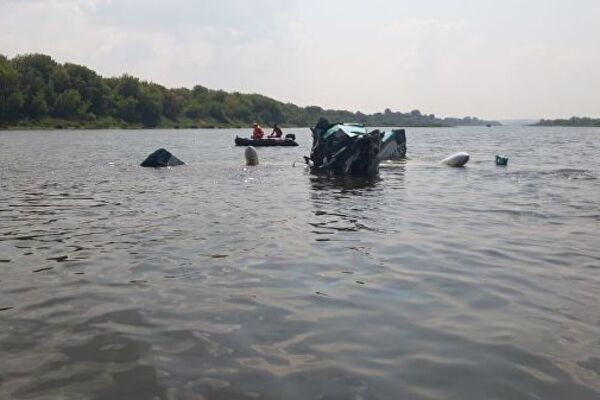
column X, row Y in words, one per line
column 38, row 92
column 573, row 121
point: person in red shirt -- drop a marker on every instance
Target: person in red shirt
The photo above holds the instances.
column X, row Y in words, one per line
column 257, row 133
column 277, row 133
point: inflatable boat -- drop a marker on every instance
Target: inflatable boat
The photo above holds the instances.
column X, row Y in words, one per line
column 290, row 140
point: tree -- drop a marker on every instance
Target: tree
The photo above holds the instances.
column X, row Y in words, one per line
column 128, row 86
column 150, row 108
column 313, row 111
column 91, row 87
column 39, row 108
column 199, row 91
column 126, row 108
column 60, row 80
column 194, row 111
column 217, row 112
column 69, row 105
column 9, row 84
column 9, row 78
column 41, row 64
column 99, row 97
column 14, row 106
column 172, row 105
column 218, row 95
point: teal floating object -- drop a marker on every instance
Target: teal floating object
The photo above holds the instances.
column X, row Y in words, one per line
column 501, row 160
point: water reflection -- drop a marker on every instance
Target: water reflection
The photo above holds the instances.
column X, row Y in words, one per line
column 393, row 173
column 344, row 205
column 344, row 185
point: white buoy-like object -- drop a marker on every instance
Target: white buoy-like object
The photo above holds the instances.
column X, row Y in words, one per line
column 251, row 156
column 456, row 160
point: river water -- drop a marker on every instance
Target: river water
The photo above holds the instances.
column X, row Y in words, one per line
column 219, row 281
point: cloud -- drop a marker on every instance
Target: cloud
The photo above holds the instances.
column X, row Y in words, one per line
column 441, row 57
column 171, row 45
column 427, row 26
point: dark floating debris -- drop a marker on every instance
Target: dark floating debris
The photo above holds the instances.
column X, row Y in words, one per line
column 58, row 259
column 43, row 269
column 360, row 282
column 6, row 308
column 161, row 158
column 501, row 161
column 321, row 294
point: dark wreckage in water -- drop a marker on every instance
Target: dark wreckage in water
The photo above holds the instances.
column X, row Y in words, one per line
column 340, row 150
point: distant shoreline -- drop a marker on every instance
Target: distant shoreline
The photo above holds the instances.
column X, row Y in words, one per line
column 564, row 126
column 51, row 124
column 157, row 128
column 580, row 122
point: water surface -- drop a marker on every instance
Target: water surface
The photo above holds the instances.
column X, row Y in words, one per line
column 219, row 281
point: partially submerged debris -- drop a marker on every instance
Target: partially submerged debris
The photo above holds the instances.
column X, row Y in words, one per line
column 161, row 158
column 251, row 156
column 456, row 160
column 350, row 150
column 501, row 161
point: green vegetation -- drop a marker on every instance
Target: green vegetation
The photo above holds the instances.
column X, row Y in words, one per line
column 573, row 121
column 38, row 92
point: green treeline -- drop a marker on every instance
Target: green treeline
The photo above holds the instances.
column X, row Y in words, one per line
column 36, row 91
column 573, row 121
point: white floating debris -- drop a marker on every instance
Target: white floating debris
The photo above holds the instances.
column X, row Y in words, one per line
column 456, row 160
column 251, row 156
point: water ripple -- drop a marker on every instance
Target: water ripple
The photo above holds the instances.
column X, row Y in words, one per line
column 220, row 281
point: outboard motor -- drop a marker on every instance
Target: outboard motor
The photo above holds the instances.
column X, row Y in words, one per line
column 290, row 136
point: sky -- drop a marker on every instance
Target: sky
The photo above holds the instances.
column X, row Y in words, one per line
column 490, row 59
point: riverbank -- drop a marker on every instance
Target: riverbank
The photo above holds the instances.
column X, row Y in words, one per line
column 112, row 123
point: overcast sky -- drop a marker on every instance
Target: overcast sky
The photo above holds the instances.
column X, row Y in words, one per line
column 487, row 58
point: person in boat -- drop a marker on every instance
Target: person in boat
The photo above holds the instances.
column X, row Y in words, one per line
column 277, row 132
column 257, row 132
